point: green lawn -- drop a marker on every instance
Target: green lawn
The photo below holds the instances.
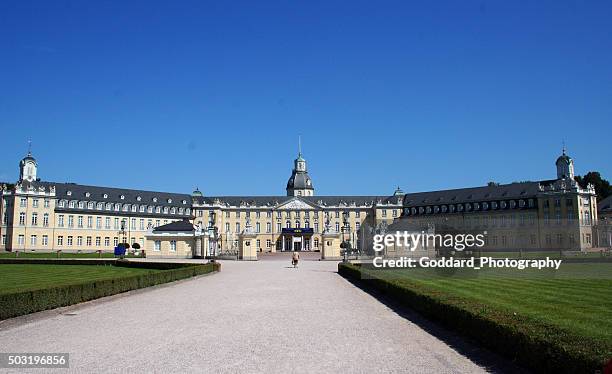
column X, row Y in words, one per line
column 577, row 298
column 22, row 277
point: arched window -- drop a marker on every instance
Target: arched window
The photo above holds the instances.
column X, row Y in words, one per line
column 288, row 224
column 297, row 224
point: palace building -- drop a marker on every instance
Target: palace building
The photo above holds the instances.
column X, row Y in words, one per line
column 47, row 216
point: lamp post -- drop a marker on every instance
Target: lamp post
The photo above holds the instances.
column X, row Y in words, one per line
column 346, row 246
column 213, row 232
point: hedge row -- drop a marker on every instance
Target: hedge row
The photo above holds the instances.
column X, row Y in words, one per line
column 534, row 344
column 17, row 304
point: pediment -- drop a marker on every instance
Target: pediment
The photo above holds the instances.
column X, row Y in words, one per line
column 296, row 204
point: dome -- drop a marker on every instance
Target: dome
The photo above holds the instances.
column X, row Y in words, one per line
column 564, row 158
column 300, row 181
column 196, row 193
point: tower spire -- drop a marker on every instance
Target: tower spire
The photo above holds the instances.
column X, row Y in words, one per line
column 299, row 145
column 564, row 147
column 29, row 147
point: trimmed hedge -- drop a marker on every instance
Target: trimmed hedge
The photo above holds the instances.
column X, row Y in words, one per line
column 539, row 346
column 20, row 303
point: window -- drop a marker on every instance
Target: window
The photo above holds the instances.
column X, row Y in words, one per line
column 20, row 239
column 23, row 202
column 115, row 241
column 70, row 221
column 316, row 243
column 279, row 227
column 157, row 246
column 257, row 227
column 237, row 227
column 316, row 227
column 142, row 226
column 80, row 222
column 268, row 227
column 337, row 226
column 34, row 219
column 69, row 241
column 46, row 203
column 98, row 241
column 88, row 241
column 258, row 243
column 384, row 213
column 35, row 203
column 173, row 245
column 227, row 227
column 22, row 218
column 60, row 240
column 3, row 239
column 33, row 240
column 79, row 241
column 288, row 224
column 45, row 240
column 394, row 212
column 107, row 241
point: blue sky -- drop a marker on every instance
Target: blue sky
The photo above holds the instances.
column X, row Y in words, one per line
column 425, row 95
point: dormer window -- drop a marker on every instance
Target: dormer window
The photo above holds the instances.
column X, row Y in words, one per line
column 154, row 199
column 105, row 196
column 138, row 198
column 122, row 197
column 184, row 202
column 69, row 193
column 169, row 201
column 87, row 194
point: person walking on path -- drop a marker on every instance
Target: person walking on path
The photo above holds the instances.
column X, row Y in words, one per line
column 295, row 258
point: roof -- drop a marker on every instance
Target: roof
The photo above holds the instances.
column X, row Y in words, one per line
column 272, row 201
column 72, row 191
column 300, row 180
column 485, row 193
column 175, row 227
column 605, row 205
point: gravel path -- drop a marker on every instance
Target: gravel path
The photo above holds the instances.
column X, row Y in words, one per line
column 252, row 317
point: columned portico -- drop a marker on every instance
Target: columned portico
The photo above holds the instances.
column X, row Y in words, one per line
column 296, row 239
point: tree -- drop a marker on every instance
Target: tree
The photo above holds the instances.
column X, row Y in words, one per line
column 602, row 186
